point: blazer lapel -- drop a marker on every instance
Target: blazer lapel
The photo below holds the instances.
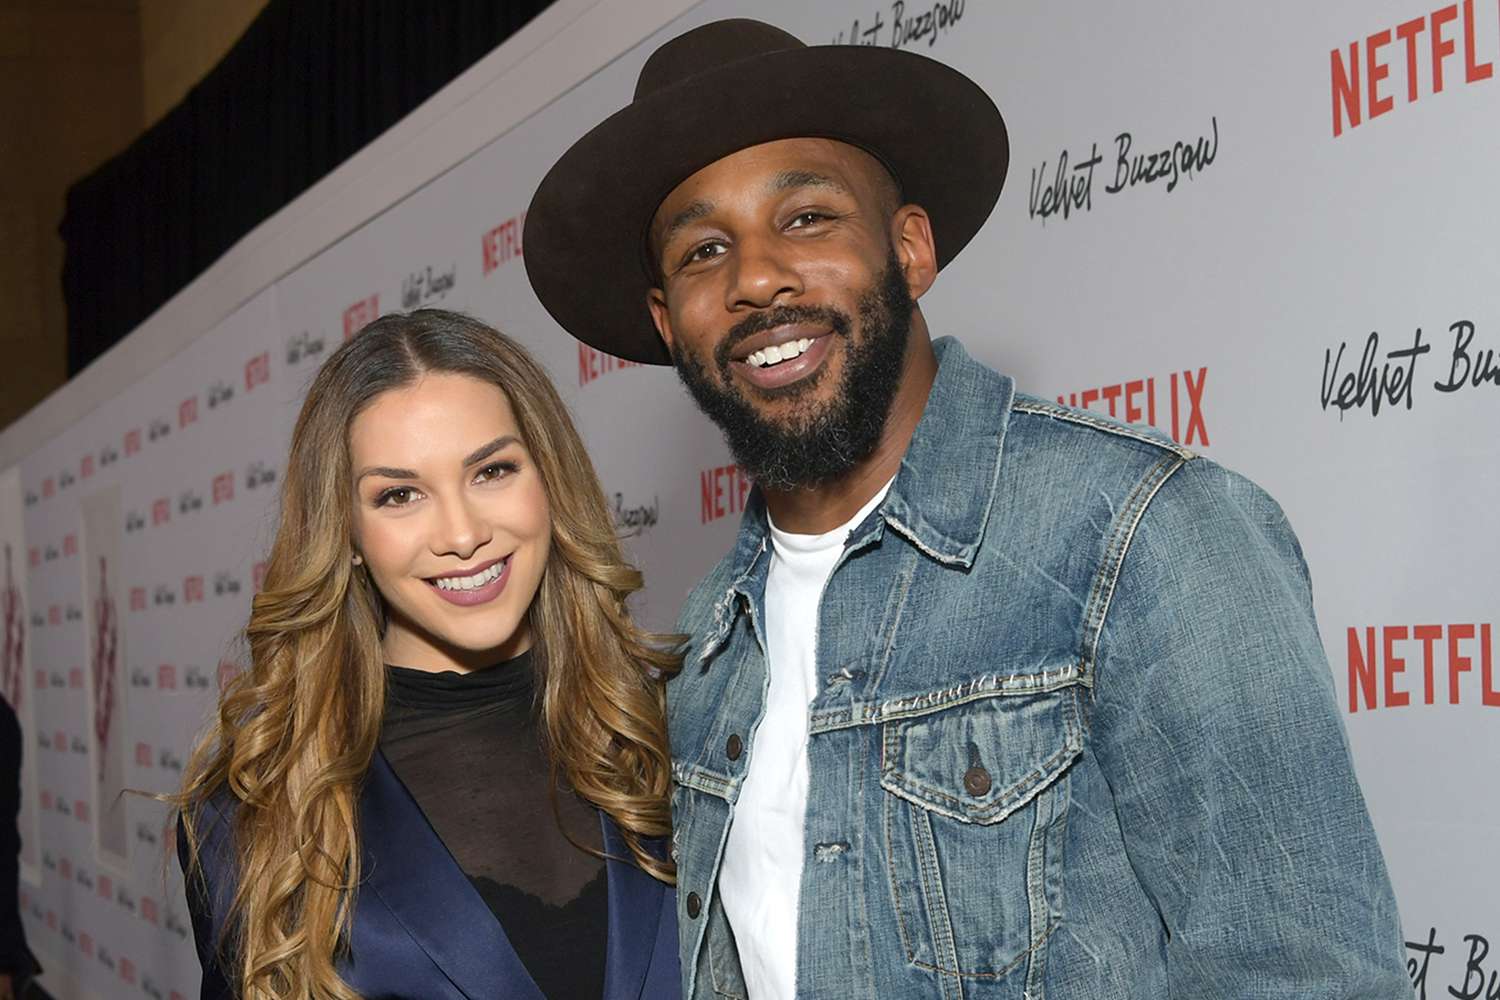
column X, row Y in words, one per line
column 409, row 869
column 635, row 901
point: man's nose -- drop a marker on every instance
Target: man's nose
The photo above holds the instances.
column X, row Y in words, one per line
column 763, row 275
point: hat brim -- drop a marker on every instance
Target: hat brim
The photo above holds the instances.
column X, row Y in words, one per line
column 584, row 241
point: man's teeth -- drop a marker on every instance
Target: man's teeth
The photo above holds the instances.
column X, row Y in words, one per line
column 778, row 353
column 470, row 582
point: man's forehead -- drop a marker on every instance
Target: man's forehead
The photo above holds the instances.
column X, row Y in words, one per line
column 771, row 167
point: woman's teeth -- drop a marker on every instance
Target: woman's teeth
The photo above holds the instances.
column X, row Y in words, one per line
column 778, row 353
column 479, row 579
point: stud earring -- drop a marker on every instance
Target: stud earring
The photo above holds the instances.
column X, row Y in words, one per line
column 358, row 559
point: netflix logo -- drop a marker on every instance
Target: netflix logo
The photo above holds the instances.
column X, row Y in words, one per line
column 166, row 677
column 137, row 598
column 70, row 545
column 1173, row 404
column 502, row 244
column 75, row 679
column 1422, row 48
column 1442, row 660
column 143, row 755
column 187, row 412
column 81, row 811
column 722, row 492
column 49, row 488
column 192, row 590
column 223, row 487
column 34, row 556
column 161, row 510
column 86, row 466
column 132, row 442
column 592, row 364
column 54, row 614
column 258, row 370
column 361, row 313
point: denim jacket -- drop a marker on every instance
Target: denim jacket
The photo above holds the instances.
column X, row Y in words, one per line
column 1076, row 735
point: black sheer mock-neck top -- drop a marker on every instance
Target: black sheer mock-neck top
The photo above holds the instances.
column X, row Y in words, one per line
column 469, row 748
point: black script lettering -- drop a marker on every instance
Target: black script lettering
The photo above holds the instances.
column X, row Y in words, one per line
column 1393, row 383
column 1474, row 984
column 1475, row 370
column 1182, row 160
column 862, row 36
column 928, row 24
column 1418, row 969
column 1066, row 193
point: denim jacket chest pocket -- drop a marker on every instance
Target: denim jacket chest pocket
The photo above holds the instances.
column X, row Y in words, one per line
column 975, row 780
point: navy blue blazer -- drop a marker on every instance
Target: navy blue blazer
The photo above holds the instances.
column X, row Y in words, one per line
column 421, row 931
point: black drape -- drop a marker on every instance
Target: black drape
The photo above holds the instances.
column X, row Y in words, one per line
column 309, row 84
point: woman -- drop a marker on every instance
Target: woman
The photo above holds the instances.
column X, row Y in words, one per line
column 376, row 812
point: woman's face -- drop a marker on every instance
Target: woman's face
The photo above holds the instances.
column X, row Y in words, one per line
column 451, row 521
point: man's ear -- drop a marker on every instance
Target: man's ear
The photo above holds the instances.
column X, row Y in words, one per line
column 911, row 236
column 656, row 302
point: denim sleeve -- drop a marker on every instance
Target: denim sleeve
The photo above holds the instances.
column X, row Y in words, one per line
column 1216, row 725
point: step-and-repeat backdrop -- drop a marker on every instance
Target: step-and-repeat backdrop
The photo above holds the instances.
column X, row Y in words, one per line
column 1269, row 230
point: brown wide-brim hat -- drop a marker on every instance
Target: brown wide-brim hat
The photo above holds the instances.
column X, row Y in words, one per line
column 724, row 87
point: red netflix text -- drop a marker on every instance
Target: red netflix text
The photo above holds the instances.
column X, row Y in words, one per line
column 361, row 313
column 1421, row 50
column 192, row 590
column 258, row 370
column 161, row 510
column 81, row 811
column 54, row 615
column 1442, row 660
column 592, row 364
column 723, row 491
column 137, row 598
column 49, row 487
column 223, row 487
column 86, row 466
column 34, row 556
column 1178, row 404
column 166, row 677
column 70, row 545
column 502, row 244
column 132, row 442
column 143, row 754
column 75, row 679
column 187, row 411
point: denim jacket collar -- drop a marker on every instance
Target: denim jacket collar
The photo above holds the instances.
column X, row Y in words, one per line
column 937, row 502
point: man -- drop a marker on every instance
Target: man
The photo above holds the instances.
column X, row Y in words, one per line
column 991, row 698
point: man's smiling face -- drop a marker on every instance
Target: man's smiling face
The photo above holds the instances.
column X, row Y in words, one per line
column 785, row 305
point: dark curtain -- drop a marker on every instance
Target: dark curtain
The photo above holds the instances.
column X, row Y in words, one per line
column 309, row 84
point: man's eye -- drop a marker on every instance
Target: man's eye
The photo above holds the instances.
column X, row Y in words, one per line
column 704, row 251
column 802, row 219
column 396, row 496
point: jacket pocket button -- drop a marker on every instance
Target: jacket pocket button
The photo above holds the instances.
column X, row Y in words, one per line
column 694, row 905
column 977, row 781
column 734, row 747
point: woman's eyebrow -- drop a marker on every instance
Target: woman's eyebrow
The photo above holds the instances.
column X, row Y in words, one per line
column 477, row 455
column 486, row 450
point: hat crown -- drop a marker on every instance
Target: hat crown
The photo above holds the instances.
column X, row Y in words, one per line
column 709, row 47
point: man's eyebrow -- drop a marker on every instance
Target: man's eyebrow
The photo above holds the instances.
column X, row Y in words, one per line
column 689, row 214
column 477, row 455
column 789, row 179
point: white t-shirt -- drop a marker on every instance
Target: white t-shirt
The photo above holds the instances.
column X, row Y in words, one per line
column 761, row 875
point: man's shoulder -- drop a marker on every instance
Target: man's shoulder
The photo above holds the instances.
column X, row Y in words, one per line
column 1102, row 441
column 703, row 599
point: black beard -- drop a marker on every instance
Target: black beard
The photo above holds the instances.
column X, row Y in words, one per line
column 817, row 443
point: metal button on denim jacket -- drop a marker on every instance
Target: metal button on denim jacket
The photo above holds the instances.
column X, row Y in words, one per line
column 1075, row 735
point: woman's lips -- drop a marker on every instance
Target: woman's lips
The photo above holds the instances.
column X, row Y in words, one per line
column 479, row 595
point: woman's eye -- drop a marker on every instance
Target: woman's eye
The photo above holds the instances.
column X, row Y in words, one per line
column 396, row 496
column 496, row 470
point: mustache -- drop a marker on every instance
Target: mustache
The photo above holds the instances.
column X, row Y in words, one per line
column 768, row 319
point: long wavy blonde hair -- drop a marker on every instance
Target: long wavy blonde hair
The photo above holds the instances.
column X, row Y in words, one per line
column 295, row 733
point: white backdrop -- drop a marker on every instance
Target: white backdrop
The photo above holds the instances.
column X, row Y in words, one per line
column 1224, row 281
